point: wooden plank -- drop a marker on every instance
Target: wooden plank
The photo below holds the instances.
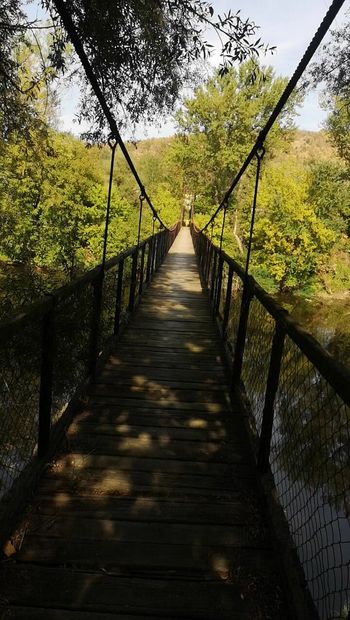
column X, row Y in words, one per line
column 159, row 598
column 156, row 533
column 148, row 559
column 113, row 378
column 160, row 394
column 242, row 510
column 110, row 401
column 42, row 613
column 154, row 432
column 120, row 417
column 161, row 374
column 72, row 460
column 134, row 479
column 116, row 486
column 145, row 447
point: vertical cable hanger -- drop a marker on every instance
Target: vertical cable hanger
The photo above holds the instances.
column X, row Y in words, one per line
column 142, row 198
column 223, row 225
column 211, row 231
column 112, row 143
column 259, row 157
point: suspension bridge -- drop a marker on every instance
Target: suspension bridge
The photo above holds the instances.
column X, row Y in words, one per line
column 173, row 444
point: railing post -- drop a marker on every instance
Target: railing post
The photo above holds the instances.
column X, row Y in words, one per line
column 213, row 275
column 271, row 391
column 118, row 300
column 208, row 263
column 133, row 280
column 247, row 296
column 227, row 302
column 46, row 381
column 218, row 284
column 95, row 321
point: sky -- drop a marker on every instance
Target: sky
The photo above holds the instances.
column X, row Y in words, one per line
column 288, row 25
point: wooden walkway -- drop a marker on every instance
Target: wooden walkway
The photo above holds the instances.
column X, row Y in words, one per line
column 151, row 509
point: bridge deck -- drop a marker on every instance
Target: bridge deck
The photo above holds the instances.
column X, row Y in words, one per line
column 151, row 509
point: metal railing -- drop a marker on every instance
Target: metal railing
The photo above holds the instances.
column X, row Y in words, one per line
column 299, row 401
column 49, row 352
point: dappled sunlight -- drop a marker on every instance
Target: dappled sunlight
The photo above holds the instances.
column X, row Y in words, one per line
column 194, row 348
column 198, row 423
column 220, row 565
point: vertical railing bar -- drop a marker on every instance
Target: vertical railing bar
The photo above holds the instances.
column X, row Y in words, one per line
column 247, row 296
column 217, row 294
column 149, row 260
column 270, row 396
column 118, row 301
column 213, row 275
column 97, row 285
column 133, row 280
column 142, row 268
column 227, row 302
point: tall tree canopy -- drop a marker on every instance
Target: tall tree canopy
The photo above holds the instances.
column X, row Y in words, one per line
column 333, row 71
column 141, row 52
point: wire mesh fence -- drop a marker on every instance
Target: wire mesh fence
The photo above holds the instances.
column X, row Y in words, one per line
column 20, row 359
column 310, row 461
column 299, row 404
column 73, row 325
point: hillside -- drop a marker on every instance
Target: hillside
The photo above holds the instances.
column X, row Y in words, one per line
column 312, row 145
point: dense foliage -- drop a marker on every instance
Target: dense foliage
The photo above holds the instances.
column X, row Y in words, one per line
column 142, row 53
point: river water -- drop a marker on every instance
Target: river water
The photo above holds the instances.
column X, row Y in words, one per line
column 315, row 486
column 328, row 320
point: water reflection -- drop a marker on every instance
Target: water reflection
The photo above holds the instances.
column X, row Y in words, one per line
column 311, row 465
column 327, row 320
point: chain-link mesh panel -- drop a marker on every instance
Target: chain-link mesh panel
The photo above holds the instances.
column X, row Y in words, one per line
column 108, row 303
column 20, row 359
column 310, row 460
column 256, row 358
column 73, row 321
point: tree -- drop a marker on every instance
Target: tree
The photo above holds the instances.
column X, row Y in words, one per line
column 329, row 192
column 218, row 126
column 290, row 240
column 53, row 194
column 333, row 71
column 141, row 52
column 26, row 75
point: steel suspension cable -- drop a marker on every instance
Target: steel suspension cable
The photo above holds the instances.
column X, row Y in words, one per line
column 68, row 23
column 309, row 53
